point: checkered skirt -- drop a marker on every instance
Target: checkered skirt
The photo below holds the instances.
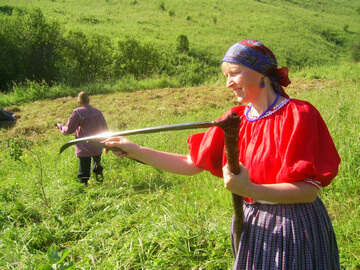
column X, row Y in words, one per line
column 287, row 236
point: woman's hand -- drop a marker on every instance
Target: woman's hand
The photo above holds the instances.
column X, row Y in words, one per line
column 126, row 147
column 170, row 162
column 237, row 184
column 296, row 192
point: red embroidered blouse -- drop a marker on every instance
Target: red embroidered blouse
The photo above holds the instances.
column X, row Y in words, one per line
column 290, row 143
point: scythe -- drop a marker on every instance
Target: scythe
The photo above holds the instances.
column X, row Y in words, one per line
column 230, row 125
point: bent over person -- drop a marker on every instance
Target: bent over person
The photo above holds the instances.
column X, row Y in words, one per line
column 86, row 121
column 286, row 155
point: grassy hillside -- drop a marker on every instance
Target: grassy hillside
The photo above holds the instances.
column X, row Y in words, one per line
column 315, row 39
column 140, row 217
column 309, row 31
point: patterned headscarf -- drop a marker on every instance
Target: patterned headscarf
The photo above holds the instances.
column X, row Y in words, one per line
column 256, row 56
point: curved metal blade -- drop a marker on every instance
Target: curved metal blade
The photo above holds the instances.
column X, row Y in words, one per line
column 104, row 136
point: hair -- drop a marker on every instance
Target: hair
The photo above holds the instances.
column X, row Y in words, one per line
column 226, row 66
column 83, row 98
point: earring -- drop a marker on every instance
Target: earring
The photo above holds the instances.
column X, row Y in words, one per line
column 262, row 82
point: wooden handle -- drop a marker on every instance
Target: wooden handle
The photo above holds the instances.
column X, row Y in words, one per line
column 231, row 126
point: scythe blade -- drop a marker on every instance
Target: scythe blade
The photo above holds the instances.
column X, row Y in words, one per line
column 106, row 135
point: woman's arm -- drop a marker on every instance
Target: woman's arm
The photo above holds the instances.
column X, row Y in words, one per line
column 170, row 162
column 297, row 192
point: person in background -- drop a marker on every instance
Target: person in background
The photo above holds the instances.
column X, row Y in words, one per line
column 86, row 121
column 286, row 155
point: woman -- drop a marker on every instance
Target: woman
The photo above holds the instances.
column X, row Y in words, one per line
column 286, row 156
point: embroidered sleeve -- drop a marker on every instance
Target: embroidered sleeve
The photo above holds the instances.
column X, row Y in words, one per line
column 315, row 183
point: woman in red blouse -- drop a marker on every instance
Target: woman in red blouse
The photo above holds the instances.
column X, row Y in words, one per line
column 286, row 155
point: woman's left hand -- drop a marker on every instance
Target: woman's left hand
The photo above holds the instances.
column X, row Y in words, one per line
column 296, row 192
column 237, row 184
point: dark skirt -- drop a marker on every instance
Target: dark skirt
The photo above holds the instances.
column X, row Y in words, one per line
column 287, row 236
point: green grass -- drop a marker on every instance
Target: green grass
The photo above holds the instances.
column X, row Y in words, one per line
column 140, row 217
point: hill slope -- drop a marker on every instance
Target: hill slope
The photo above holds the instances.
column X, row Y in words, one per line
column 300, row 32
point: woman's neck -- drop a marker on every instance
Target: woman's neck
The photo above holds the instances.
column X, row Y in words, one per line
column 261, row 104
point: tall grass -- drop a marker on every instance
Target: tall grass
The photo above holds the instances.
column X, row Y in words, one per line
column 140, row 217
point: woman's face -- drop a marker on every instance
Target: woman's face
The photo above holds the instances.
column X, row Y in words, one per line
column 244, row 81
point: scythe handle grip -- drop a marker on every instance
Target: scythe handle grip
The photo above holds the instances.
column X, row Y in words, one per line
column 231, row 126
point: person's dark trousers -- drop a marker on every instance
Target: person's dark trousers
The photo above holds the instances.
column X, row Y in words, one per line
column 85, row 165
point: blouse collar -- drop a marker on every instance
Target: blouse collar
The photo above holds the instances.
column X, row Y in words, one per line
column 270, row 112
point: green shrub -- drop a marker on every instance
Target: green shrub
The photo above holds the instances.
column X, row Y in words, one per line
column 11, row 66
column 8, row 10
column 333, row 37
column 214, row 20
column 15, row 147
column 182, row 44
column 57, row 259
column 29, row 45
column 133, row 58
column 84, row 59
column 355, row 49
column 171, row 13
column 162, row 6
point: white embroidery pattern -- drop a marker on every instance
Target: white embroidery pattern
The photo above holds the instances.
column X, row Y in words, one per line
column 315, row 183
column 270, row 112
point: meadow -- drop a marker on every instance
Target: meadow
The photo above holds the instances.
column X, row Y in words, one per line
column 140, row 217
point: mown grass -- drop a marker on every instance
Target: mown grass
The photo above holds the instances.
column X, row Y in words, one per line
column 140, row 217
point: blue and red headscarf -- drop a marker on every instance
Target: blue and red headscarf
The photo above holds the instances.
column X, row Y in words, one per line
column 256, row 56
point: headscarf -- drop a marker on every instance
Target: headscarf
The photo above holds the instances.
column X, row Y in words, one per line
column 256, row 56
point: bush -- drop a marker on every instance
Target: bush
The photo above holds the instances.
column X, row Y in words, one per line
column 332, row 37
column 37, row 53
column 162, row 6
column 8, row 10
column 84, row 59
column 133, row 58
column 10, row 62
column 29, row 45
column 355, row 50
column 182, row 44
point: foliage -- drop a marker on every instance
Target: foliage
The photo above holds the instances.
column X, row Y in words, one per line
column 28, row 45
column 15, row 148
column 133, row 58
column 182, row 44
column 84, row 59
column 355, row 49
column 37, row 51
column 72, row 47
column 57, row 260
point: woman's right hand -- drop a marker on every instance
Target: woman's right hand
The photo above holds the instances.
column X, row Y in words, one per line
column 126, row 147
column 170, row 162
